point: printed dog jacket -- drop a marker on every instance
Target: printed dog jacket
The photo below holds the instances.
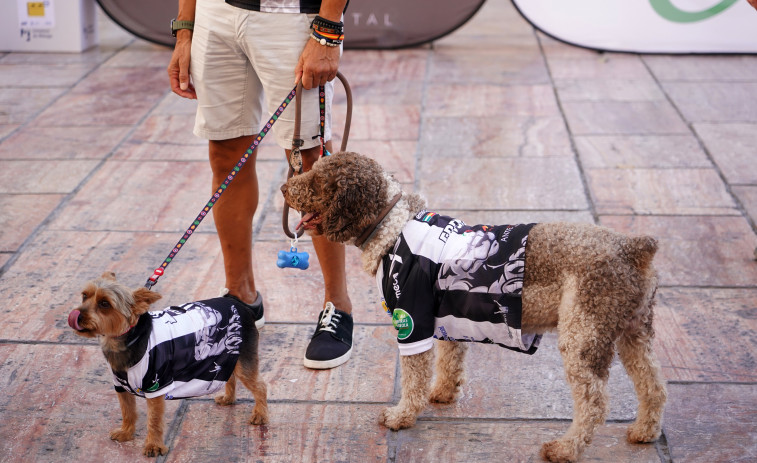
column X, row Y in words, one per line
column 447, row 280
column 192, row 351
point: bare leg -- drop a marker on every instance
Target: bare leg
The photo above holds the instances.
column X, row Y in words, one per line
column 331, row 255
column 233, row 213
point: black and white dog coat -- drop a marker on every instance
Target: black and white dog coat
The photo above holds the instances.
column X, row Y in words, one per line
column 192, row 351
column 447, row 280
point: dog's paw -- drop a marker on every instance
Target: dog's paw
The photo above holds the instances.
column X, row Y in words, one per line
column 639, row 433
column 121, row 435
column 560, row 451
column 154, row 449
column 442, row 395
column 396, row 418
column 259, row 416
column 224, row 399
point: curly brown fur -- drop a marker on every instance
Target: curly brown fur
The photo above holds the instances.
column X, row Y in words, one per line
column 594, row 286
column 117, row 316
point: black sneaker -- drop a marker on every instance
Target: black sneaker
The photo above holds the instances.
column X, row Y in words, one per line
column 256, row 307
column 331, row 344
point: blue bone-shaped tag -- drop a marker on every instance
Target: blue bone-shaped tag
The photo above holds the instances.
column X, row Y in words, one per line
column 293, row 259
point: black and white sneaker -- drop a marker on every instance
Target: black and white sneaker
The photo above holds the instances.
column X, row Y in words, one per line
column 331, row 344
column 256, row 307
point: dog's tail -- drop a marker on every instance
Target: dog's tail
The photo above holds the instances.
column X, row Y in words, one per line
column 640, row 250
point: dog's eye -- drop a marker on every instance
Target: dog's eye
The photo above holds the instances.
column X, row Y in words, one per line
column 104, row 304
column 83, row 297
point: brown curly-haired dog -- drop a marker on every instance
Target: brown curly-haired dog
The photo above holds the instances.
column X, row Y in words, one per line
column 594, row 286
column 184, row 351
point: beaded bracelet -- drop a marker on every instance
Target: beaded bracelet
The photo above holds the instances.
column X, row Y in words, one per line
column 330, row 40
column 324, row 25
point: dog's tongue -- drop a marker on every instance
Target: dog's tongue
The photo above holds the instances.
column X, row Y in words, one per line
column 304, row 221
column 73, row 320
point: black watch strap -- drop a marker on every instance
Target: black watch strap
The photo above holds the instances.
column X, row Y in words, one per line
column 176, row 25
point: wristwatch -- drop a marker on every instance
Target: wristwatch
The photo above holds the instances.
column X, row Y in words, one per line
column 176, row 25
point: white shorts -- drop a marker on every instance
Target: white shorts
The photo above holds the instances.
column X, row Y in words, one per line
column 242, row 67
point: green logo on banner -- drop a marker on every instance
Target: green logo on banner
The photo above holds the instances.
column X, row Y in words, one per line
column 403, row 323
column 667, row 10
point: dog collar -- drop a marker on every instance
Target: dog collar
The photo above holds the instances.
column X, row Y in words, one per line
column 372, row 227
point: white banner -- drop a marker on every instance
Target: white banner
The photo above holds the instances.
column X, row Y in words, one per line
column 647, row 26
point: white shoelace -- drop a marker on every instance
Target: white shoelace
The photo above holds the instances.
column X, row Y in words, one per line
column 330, row 318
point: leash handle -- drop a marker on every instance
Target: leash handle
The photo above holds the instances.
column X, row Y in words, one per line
column 158, row 272
column 296, row 157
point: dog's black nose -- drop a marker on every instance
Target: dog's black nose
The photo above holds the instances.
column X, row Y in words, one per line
column 284, row 188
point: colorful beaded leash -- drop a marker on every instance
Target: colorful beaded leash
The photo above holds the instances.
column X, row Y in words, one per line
column 159, row 271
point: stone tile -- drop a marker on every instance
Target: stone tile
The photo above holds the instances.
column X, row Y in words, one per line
column 482, row 137
column 45, row 283
column 606, row 66
column 300, row 432
column 379, row 122
column 512, row 217
column 52, row 176
column 711, row 422
column 714, row 101
column 396, row 157
column 609, row 89
column 147, row 151
column 707, row 335
column 92, row 109
column 20, row 215
column 18, row 106
column 495, row 376
column 457, row 100
column 296, row 296
column 520, row 440
column 697, row 251
column 141, row 54
column 282, row 348
column 495, row 65
column 623, row 118
column 640, row 151
column 126, row 82
column 160, row 196
column 703, row 68
column 378, row 67
column 556, row 49
column 174, row 129
column 659, row 191
column 63, row 143
column 58, row 404
column 748, row 197
column 7, row 129
column 39, row 75
column 527, row 183
column 394, row 92
column 732, row 148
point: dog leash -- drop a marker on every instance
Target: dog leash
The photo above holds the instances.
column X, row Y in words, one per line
column 293, row 258
column 295, row 159
column 158, row 272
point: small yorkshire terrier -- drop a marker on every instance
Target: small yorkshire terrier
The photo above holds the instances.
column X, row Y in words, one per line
column 186, row 351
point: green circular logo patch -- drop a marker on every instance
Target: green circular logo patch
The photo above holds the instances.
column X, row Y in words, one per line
column 403, row 323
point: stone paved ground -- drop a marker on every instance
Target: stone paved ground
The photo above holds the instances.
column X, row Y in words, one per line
column 494, row 123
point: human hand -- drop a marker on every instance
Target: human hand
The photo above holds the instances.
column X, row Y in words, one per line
column 318, row 64
column 178, row 68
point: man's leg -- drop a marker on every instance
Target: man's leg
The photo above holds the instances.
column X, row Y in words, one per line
column 233, row 213
column 331, row 345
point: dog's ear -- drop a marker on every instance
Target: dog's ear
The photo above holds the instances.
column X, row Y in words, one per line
column 108, row 276
column 143, row 299
column 357, row 195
